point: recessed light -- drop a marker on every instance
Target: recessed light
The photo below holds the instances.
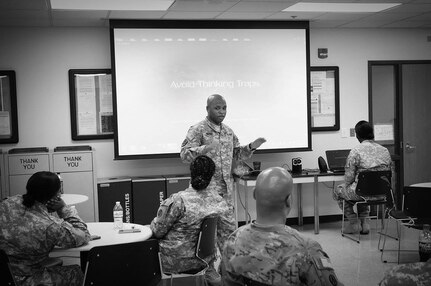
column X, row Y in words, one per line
column 340, row 7
column 105, row 5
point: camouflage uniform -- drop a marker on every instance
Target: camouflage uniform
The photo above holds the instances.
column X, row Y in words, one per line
column 178, row 223
column 275, row 255
column 417, row 274
column 202, row 134
column 366, row 156
column 28, row 235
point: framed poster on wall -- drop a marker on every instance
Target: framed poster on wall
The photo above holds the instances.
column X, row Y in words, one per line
column 325, row 98
column 8, row 107
column 91, row 107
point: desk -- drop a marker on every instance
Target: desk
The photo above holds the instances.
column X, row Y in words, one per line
column 423, row 185
column 108, row 236
column 298, row 180
column 73, row 199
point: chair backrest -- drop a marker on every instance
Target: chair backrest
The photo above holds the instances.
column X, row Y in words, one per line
column 134, row 263
column 374, row 183
column 249, row 282
column 6, row 276
column 417, row 202
column 206, row 245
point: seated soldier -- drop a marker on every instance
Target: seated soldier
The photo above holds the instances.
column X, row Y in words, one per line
column 267, row 250
column 368, row 155
column 29, row 231
column 413, row 274
column 179, row 220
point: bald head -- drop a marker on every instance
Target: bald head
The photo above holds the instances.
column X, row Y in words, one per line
column 216, row 108
column 273, row 188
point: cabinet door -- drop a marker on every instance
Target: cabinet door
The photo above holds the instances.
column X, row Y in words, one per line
column 81, row 183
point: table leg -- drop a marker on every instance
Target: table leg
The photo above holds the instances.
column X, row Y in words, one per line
column 316, row 205
column 299, row 193
column 235, row 203
column 246, row 203
column 83, row 260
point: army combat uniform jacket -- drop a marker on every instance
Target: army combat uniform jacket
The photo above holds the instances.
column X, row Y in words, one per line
column 275, row 255
column 28, row 235
column 178, row 223
column 202, row 134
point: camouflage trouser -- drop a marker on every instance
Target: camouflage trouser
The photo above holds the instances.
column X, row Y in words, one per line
column 70, row 275
column 222, row 189
column 342, row 193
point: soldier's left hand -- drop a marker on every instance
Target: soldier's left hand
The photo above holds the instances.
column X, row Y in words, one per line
column 256, row 143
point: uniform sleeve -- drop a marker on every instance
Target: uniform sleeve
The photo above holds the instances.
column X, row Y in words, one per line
column 351, row 168
column 240, row 153
column 191, row 146
column 316, row 268
column 71, row 232
column 169, row 212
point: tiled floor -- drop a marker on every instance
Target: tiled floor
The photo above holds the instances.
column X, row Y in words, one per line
column 360, row 264
column 355, row 264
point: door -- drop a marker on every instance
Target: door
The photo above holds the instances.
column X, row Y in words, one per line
column 416, row 122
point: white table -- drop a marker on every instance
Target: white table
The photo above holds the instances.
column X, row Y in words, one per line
column 312, row 178
column 73, row 199
column 424, row 185
column 108, row 236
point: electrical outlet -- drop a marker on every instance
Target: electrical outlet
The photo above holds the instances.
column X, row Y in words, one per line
column 352, row 132
column 344, row 132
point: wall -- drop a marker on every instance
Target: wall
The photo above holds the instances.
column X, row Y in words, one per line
column 41, row 58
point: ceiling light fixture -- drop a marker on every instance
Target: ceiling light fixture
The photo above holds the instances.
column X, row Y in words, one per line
column 340, row 7
column 112, row 5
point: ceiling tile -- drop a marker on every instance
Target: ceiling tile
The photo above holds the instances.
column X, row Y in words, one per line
column 202, row 6
column 243, row 16
column 415, row 8
column 136, row 14
column 294, row 16
column 261, row 6
column 342, row 16
column 23, row 5
column 191, row 15
column 26, row 18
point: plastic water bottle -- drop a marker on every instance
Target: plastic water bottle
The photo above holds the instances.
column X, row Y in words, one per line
column 425, row 243
column 118, row 216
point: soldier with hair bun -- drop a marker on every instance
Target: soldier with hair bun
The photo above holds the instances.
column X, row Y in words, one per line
column 29, row 232
column 179, row 219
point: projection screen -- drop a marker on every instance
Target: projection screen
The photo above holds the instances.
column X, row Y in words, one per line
column 164, row 71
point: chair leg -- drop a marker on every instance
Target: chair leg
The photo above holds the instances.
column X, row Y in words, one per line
column 349, row 236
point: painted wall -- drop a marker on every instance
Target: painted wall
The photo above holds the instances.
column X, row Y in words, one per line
column 41, row 58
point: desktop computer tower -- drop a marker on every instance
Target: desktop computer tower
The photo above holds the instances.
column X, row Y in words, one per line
column 148, row 193
column 176, row 183
column 111, row 190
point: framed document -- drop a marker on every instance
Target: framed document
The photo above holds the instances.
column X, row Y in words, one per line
column 8, row 108
column 325, row 99
column 91, row 107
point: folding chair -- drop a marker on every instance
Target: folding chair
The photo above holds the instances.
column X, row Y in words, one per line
column 371, row 185
column 415, row 211
column 134, row 263
column 205, row 247
column 6, row 276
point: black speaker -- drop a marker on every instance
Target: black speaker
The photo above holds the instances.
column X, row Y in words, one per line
column 323, row 167
column 296, row 165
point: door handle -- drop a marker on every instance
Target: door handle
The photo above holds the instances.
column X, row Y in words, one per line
column 410, row 147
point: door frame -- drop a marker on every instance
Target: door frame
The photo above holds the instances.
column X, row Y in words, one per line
column 398, row 156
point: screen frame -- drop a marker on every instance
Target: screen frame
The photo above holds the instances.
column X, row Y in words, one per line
column 207, row 24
